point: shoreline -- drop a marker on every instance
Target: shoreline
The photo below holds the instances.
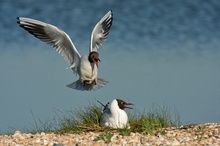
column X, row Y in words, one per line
column 194, row 134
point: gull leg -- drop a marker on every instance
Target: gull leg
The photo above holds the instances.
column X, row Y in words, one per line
column 94, row 82
column 85, row 82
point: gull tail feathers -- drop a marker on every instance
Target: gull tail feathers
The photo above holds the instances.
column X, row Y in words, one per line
column 88, row 87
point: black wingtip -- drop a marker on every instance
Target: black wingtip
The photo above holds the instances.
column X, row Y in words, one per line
column 18, row 18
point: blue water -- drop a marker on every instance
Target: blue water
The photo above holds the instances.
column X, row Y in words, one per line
column 148, row 22
column 157, row 52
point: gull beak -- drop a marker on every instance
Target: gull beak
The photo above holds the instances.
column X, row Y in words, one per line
column 126, row 105
column 96, row 61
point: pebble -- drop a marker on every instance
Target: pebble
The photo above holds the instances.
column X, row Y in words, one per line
column 143, row 140
column 201, row 134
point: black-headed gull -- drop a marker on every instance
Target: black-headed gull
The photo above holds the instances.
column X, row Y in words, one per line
column 85, row 66
column 114, row 116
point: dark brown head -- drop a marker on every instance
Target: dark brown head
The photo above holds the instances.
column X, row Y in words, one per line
column 122, row 104
column 94, row 58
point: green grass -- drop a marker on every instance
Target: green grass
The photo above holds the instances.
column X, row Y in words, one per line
column 104, row 136
column 152, row 121
column 87, row 119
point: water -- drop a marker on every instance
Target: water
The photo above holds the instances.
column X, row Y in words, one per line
column 164, row 52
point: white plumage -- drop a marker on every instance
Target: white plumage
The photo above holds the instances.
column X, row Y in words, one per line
column 114, row 116
column 85, row 66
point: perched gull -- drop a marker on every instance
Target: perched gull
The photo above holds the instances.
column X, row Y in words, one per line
column 85, row 66
column 115, row 116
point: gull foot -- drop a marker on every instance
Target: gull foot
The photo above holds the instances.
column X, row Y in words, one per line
column 88, row 82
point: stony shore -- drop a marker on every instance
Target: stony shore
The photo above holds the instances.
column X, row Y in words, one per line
column 200, row 134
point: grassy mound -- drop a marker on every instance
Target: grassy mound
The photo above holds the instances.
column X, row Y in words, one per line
column 87, row 119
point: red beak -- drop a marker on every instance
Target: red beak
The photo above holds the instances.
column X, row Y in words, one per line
column 96, row 61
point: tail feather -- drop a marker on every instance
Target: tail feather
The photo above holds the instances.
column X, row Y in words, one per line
column 88, row 87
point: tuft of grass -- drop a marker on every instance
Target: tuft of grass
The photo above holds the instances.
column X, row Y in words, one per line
column 158, row 117
column 200, row 132
column 104, row 136
column 87, row 119
column 49, row 125
column 80, row 120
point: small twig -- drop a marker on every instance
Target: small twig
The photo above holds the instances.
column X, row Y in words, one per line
column 99, row 102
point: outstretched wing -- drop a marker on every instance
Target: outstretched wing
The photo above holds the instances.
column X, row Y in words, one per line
column 53, row 36
column 100, row 31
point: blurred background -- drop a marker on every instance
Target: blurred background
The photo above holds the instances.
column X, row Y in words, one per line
column 157, row 52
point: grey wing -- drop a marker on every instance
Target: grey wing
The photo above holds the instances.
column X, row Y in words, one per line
column 53, row 36
column 105, row 118
column 100, row 31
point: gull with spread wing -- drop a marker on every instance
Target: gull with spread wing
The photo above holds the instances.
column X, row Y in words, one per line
column 85, row 66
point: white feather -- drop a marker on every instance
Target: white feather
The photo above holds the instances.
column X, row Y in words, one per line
column 62, row 43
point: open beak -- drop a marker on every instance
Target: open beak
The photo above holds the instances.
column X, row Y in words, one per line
column 126, row 105
column 96, row 61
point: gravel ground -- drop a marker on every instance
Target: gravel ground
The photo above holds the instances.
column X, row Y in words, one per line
column 201, row 134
